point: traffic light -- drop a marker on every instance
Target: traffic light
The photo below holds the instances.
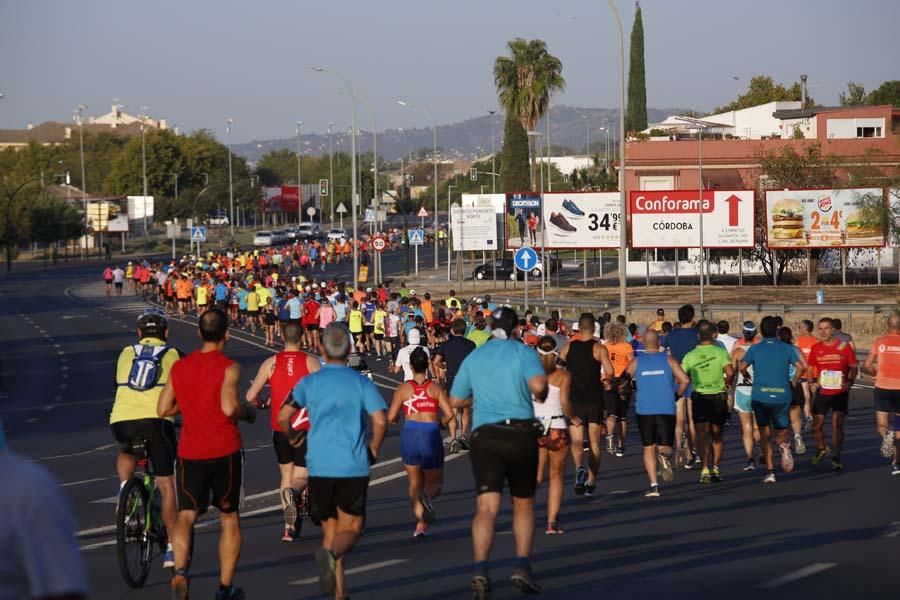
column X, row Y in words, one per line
column 473, row 174
column 323, row 187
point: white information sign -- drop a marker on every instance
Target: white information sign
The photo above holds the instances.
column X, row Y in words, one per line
column 582, row 220
column 671, row 219
column 473, row 228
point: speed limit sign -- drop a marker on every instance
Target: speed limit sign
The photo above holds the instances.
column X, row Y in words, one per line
column 379, row 244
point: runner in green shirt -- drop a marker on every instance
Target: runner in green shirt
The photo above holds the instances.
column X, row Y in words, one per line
column 710, row 370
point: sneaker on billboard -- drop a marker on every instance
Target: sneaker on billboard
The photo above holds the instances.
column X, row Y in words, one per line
column 560, row 222
column 572, row 208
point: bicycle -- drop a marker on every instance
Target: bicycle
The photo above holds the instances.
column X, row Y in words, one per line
column 139, row 524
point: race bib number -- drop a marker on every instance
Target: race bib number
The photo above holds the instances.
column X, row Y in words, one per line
column 831, row 380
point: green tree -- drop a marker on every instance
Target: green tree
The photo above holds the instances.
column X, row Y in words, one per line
column 514, row 173
column 636, row 114
column 54, row 219
column 854, row 96
column 525, row 80
column 887, row 93
column 277, row 167
column 763, row 89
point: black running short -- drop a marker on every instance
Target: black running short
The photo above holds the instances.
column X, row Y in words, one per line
column 223, row 476
column 311, row 327
column 285, row 453
column 657, row 429
column 501, row 452
column 797, row 397
column 709, row 408
column 328, row 494
column 887, row 400
column 160, row 437
column 615, row 403
column 834, row 402
column 368, row 329
column 588, row 412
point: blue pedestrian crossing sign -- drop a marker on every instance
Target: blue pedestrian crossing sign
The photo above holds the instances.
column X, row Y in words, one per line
column 416, row 237
column 525, row 258
column 198, row 234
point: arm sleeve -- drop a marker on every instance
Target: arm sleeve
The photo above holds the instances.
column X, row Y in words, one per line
column 462, row 383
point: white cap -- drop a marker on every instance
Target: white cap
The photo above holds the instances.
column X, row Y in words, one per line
column 414, row 337
column 369, row 290
column 412, row 292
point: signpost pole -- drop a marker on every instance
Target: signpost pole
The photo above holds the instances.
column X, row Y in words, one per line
column 808, row 274
column 740, row 266
column 878, row 265
column 526, row 291
column 843, row 266
column 676, row 266
column 774, row 270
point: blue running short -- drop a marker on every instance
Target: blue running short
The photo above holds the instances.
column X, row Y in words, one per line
column 422, row 445
column 778, row 416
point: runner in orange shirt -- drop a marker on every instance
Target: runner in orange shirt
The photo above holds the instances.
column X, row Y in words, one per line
column 884, row 363
column 617, row 398
column 805, row 341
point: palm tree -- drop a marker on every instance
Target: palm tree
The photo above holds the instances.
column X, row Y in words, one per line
column 525, row 81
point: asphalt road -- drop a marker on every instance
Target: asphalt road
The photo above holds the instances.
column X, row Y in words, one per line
column 814, row 534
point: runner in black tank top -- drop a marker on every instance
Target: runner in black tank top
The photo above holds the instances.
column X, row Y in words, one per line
column 588, row 362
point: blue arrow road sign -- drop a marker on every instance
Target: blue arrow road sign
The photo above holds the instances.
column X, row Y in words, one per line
column 525, row 258
column 198, row 234
column 416, row 237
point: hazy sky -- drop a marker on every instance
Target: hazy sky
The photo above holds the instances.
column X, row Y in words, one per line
column 196, row 62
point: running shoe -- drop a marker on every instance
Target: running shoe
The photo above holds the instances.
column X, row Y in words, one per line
column 585, row 445
column 559, row 221
column 714, row 475
column 769, row 478
column 787, row 460
column 696, row 458
column 232, row 593
column 610, row 444
column 481, row 588
column 180, row 587
column 428, row 514
column 454, row 446
column 820, row 455
column 704, row 475
column 580, row 479
column 836, row 464
column 326, row 562
column 421, row 531
column 289, row 535
column 751, row 465
column 667, row 473
column 653, row 492
column 168, row 559
column 895, row 470
column 807, row 423
column 620, row 451
column 289, row 497
column 571, row 208
column 463, row 443
column 590, row 488
column 887, row 445
column 523, row 578
column 799, row 444
column 553, row 529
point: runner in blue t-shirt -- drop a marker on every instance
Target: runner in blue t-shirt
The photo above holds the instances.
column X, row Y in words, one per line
column 679, row 342
column 771, row 394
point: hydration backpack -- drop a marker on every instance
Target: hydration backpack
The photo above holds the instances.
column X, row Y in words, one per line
column 146, row 367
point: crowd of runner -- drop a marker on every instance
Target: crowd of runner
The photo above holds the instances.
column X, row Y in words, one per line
column 521, row 394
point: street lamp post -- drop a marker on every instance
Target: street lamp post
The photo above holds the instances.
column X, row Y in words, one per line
column 450, row 189
column 434, row 158
column 700, row 125
column 330, row 175
column 623, row 236
column 81, row 109
column 229, row 122
column 537, row 140
column 493, row 155
column 375, row 200
column 144, row 165
column 353, row 199
column 299, row 196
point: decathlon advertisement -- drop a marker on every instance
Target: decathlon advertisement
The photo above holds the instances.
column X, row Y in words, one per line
column 587, row 220
column 671, row 219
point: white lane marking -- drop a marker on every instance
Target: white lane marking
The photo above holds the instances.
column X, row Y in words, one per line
column 355, row 570
column 796, row 575
column 83, row 481
column 67, row 317
column 861, row 385
column 81, row 453
column 616, row 492
column 32, row 420
column 110, row 500
column 893, row 530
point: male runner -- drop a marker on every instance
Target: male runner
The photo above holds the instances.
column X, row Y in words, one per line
column 338, row 399
column 141, row 372
column 709, row 368
column 679, row 342
column 771, row 392
column 498, row 381
column 203, row 387
column 414, row 340
column 884, row 363
column 282, row 372
column 660, row 379
column 835, row 362
column 588, row 362
column 450, row 355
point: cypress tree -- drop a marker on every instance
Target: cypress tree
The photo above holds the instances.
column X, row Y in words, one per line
column 514, row 173
column 636, row 114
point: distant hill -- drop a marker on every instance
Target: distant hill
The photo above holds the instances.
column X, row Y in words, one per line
column 466, row 139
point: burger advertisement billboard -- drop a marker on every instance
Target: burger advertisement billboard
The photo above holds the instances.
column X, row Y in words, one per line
column 851, row 218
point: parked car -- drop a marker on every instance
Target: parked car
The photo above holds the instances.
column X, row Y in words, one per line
column 293, row 233
column 218, row 218
column 280, row 236
column 336, row 235
column 506, row 269
column 309, row 231
column 263, row 239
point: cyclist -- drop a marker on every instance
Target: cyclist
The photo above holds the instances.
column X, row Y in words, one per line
column 210, row 452
column 421, row 444
column 282, row 372
column 141, row 372
column 884, row 363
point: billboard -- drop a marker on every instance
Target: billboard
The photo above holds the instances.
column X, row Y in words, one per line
column 825, row 218
column 582, row 219
column 524, row 226
column 137, row 205
column 498, row 201
column 283, row 198
column 671, row 219
column 473, row 228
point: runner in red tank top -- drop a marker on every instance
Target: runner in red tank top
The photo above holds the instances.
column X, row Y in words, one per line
column 282, row 372
column 421, row 442
column 210, row 455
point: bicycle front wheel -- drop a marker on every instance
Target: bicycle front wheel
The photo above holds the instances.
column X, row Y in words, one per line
column 132, row 542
